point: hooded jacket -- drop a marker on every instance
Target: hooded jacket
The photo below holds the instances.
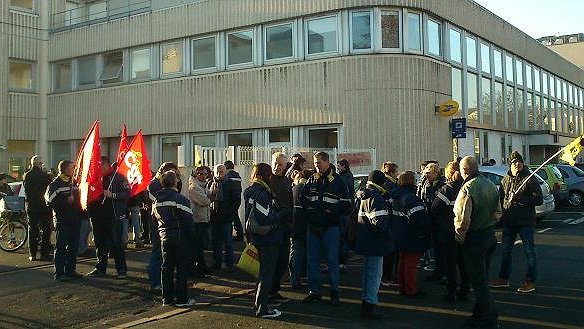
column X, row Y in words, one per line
column 373, row 229
column 173, row 213
column 259, row 196
column 519, row 210
column 410, row 221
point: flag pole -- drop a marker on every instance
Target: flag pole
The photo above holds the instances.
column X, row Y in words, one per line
column 538, row 168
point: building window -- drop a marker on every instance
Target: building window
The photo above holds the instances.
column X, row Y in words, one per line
column 62, row 76
column 170, row 146
column 204, row 56
column 485, row 58
column 552, row 86
column 528, row 80
column 455, row 48
column 486, row 101
column 390, row 30
column 22, row 4
column 536, row 80
column 240, row 47
column 361, row 30
column 434, row 31
column 86, row 71
column 509, row 68
column 544, row 81
column 529, row 110
column 97, row 10
column 520, row 109
column 509, row 100
column 545, row 114
column 472, row 98
column 21, row 75
column 207, row 140
column 457, row 85
column 279, row 41
column 240, row 139
column 73, row 13
column 519, row 72
column 279, row 135
column 322, row 35
column 113, row 67
column 140, row 64
column 414, row 32
column 498, row 62
column 537, row 116
column 60, row 151
column 499, row 104
column 564, row 91
column 471, row 52
column 172, row 58
column 323, row 138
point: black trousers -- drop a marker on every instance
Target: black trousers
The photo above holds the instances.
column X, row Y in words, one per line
column 39, row 222
column 198, row 253
column 174, row 257
column 66, row 248
column 477, row 251
column 390, row 265
column 453, row 265
column 146, row 223
column 107, row 234
column 268, row 257
column 281, row 263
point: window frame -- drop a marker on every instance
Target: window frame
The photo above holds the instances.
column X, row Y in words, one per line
column 336, row 52
column 465, row 49
column 253, row 49
column 378, row 31
column 131, row 64
column 184, row 63
column 25, row 10
column 54, row 67
column 239, row 132
column 217, row 54
column 426, row 36
column 496, row 50
column 120, row 70
column 280, row 60
column 462, row 45
column 33, row 76
column 482, row 71
column 76, row 67
column 406, row 31
column 372, row 23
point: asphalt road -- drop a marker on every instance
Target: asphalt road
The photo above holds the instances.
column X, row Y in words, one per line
column 29, row 298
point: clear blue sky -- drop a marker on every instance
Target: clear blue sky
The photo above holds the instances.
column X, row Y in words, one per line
column 540, row 18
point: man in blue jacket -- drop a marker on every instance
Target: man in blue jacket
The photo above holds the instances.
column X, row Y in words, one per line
column 176, row 229
column 325, row 198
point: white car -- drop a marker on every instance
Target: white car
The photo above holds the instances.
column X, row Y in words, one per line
column 496, row 173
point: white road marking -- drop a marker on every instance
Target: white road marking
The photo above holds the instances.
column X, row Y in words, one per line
column 577, row 221
column 518, row 242
column 568, row 220
column 552, row 220
column 544, row 230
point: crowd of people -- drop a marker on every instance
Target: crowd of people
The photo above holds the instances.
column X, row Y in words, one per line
column 396, row 221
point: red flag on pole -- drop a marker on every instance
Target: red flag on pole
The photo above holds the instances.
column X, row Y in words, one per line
column 88, row 168
column 135, row 165
column 123, row 146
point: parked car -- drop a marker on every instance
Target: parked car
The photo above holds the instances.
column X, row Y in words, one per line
column 553, row 177
column 496, row 173
column 574, row 178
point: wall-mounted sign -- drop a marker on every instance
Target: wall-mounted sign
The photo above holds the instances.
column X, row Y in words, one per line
column 447, row 108
column 459, row 128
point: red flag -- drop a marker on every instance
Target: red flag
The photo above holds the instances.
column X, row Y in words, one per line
column 123, row 146
column 135, row 165
column 88, row 168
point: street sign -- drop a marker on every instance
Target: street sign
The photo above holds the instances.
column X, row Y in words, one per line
column 448, row 108
column 459, row 128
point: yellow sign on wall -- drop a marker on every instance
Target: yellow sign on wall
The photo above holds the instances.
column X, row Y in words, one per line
column 448, row 108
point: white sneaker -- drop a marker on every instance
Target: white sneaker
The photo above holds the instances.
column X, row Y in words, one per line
column 190, row 302
column 273, row 313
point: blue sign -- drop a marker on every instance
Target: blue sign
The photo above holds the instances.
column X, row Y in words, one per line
column 459, row 128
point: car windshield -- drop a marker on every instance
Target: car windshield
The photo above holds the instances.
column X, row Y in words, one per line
column 556, row 172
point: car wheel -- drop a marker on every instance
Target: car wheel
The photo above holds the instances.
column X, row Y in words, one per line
column 575, row 198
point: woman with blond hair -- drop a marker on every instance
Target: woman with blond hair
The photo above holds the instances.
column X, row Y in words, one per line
column 442, row 210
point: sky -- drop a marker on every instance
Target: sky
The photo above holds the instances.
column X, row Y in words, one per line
column 540, row 18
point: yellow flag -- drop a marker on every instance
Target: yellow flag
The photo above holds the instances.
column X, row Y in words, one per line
column 198, row 158
column 572, row 150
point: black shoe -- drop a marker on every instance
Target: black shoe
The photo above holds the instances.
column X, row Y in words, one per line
column 96, row 273
column 60, row 278
column 121, row 276
column 74, row 275
column 277, row 298
column 450, row 296
column 335, row 300
column 46, row 258
column 369, row 312
column 32, row 258
column 311, row 298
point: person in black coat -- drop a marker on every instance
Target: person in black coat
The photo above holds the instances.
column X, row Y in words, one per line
column 412, row 231
column 299, row 227
column 107, row 219
column 260, row 203
column 63, row 198
column 35, row 182
column 373, row 239
column 224, row 206
column 442, row 209
column 176, row 229
column 390, row 170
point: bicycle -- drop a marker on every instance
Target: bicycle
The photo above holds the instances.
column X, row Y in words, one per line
column 13, row 223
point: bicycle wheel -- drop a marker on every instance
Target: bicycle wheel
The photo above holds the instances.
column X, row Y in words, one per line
column 13, row 235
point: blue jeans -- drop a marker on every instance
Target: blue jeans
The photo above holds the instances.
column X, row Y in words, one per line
column 372, row 271
column 221, row 234
column 327, row 241
column 297, row 261
column 509, row 235
column 155, row 263
column 67, row 236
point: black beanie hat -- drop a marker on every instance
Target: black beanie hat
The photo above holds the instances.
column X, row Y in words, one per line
column 377, row 177
column 515, row 157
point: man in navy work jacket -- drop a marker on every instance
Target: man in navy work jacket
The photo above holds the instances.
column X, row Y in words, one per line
column 325, row 198
column 176, row 228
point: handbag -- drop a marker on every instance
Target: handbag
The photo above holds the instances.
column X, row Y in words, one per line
column 249, row 262
column 253, row 226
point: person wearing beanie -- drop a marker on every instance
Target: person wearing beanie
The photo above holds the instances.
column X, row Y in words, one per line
column 518, row 198
column 373, row 240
